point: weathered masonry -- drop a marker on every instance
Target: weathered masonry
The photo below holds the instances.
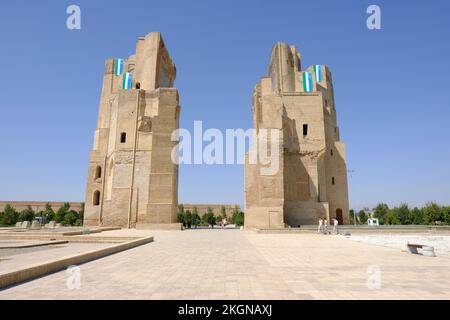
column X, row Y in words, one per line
column 131, row 179
column 311, row 182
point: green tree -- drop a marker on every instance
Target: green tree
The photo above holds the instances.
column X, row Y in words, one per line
column 446, row 214
column 433, row 213
column 381, row 212
column 27, row 214
column 196, row 220
column 188, row 219
column 238, row 218
column 204, row 219
column 48, row 212
column 9, row 216
column 362, row 217
column 70, row 218
column 404, row 214
column 180, row 218
column 393, row 217
column 417, row 216
column 61, row 213
column 351, row 216
column 209, row 218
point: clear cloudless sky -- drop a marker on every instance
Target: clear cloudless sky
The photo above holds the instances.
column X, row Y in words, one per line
column 392, row 87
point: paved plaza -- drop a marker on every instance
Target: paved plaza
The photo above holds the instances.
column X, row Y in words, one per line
column 234, row 264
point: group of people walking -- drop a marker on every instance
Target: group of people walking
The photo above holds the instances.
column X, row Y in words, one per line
column 323, row 226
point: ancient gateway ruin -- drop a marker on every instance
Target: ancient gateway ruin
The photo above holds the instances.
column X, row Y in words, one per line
column 312, row 178
column 132, row 181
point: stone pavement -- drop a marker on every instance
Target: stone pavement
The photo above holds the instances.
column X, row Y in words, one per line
column 232, row 264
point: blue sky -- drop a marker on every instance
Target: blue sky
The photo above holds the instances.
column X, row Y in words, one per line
column 391, row 87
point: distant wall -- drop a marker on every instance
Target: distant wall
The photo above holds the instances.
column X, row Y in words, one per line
column 38, row 205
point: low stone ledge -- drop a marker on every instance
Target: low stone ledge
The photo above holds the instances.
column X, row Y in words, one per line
column 89, row 231
column 68, row 238
column 32, row 245
column 38, row 270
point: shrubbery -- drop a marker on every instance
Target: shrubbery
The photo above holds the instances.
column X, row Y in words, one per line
column 237, row 218
column 193, row 219
column 9, row 217
column 430, row 214
column 187, row 218
column 209, row 218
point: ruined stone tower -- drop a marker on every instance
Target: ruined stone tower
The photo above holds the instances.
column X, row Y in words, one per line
column 131, row 178
column 312, row 178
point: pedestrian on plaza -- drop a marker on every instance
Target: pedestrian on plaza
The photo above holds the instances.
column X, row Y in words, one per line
column 336, row 226
column 320, row 229
column 325, row 226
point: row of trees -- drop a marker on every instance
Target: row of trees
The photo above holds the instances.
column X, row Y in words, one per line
column 192, row 219
column 64, row 215
column 430, row 214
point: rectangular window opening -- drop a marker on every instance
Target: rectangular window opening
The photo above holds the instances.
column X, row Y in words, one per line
column 123, row 137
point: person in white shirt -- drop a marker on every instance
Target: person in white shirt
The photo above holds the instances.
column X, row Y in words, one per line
column 320, row 229
column 336, row 226
column 325, row 226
